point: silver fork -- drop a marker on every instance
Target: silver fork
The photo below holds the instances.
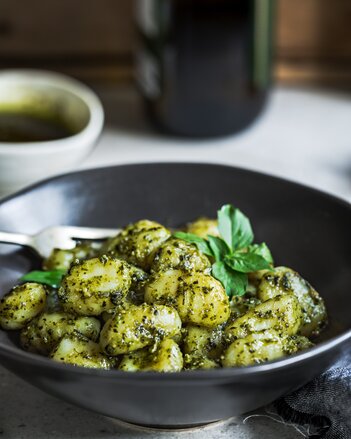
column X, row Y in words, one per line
column 56, row 237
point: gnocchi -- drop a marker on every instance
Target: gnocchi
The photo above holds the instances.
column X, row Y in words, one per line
column 138, row 242
column 286, row 281
column 79, row 351
column 95, row 285
column 177, row 254
column 167, row 357
column 21, row 305
column 134, row 327
column 198, row 297
column 45, row 331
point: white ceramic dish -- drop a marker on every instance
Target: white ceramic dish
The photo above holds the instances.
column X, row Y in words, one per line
column 76, row 104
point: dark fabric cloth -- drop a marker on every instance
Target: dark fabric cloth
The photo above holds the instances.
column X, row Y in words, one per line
column 324, row 403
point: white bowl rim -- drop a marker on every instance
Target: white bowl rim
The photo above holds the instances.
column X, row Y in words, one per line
column 70, row 85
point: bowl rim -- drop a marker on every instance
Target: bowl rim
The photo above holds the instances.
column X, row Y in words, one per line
column 220, row 374
column 65, row 83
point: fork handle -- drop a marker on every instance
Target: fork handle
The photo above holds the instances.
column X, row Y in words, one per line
column 15, row 238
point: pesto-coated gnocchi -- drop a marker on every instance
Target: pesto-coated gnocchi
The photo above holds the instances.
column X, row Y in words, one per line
column 95, row 285
column 45, row 331
column 261, row 346
column 166, row 357
column 79, row 351
column 61, row 259
column 203, row 347
column 179, row 255
column 282, row 314
column 21, row 305
column 138, row 242
column 286, row 281
column 151, row 299
column 198, row 297
column 134, row 327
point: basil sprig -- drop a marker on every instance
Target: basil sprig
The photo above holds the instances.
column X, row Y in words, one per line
column 234, row 253
column 52, row 278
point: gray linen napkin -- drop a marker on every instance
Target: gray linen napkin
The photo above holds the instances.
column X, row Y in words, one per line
column 324, row 403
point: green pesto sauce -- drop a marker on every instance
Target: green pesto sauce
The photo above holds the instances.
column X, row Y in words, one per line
column 23, row 127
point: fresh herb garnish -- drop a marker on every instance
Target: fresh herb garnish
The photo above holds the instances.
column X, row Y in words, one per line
column 52, row 278
column 233, row 252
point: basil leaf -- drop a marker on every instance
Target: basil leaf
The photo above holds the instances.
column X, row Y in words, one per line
column 234, row 227
column 262, row 250
column 218, row 246
column 241, row 229
column 246, row 262
column 240, row 283
column 52, row 278
column 201, row 243
column 224, row 216
column 235, row 283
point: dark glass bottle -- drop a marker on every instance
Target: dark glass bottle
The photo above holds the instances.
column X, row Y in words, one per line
column 203, row 66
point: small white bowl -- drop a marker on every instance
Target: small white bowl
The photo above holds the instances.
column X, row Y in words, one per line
column 77, row 105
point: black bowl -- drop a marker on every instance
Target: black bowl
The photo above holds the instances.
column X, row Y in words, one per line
column 305, row 229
